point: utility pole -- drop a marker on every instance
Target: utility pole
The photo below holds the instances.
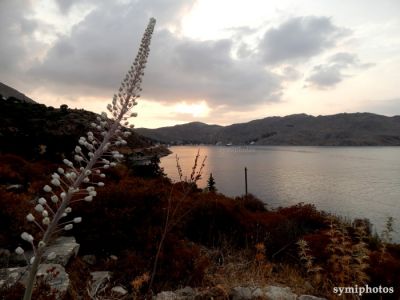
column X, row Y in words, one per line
column 245, row 178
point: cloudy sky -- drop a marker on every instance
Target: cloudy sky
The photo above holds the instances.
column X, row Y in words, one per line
column 215, row 61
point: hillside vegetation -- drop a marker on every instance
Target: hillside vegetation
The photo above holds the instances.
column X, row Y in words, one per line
column 356, row 129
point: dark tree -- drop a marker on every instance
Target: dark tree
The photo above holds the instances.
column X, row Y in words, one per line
column 211, row 184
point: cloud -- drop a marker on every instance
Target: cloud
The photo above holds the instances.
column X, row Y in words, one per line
column 332, row 72
column 299, row 39
column 16, row 31
column 94, row 57
column 205, row 70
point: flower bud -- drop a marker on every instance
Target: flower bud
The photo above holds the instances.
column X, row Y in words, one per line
column 55, row 182
column 47, row 188
column 42, row 201
column 39, row 208
column 19, row 251
column 68, row 227
column 77, row 220
column 30, row 218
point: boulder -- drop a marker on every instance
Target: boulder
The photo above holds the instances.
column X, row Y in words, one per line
column 119, row 290
column 52, row 274
column 64, row 247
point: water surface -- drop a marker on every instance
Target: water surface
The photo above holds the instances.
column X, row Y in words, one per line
column 354, row 182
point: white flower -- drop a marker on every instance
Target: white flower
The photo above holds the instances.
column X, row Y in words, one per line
column 47, row 188
column 41, row 244
column 86, row 179
column 77, row 220
column 63, row 195
column 46, row 221
column 42, row 201
column 68, row 210
column 68, row 227
column 27, row 237
column 88, row 198
column 54, row 198
column 103, row 175
column 39, row 208
column 55, row 182
column 90, row 188
column 51, row 256
column 19, row 251
column 32, row 260
column 55, row 175
column 100, row 183
column 45, row 213
column 30, row 218
column 60, row 170
column 78, row 149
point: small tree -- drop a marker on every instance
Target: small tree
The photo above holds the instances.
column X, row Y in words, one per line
column 211, row 183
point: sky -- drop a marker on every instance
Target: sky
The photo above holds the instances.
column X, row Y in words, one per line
column 213, row 61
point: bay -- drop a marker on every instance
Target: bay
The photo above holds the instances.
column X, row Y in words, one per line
column 353, row 182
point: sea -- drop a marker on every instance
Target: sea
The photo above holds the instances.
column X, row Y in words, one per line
column 351, row 182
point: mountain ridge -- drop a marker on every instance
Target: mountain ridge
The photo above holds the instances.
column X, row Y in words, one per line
column 343, row 129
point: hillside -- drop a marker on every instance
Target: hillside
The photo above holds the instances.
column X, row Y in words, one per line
column 355, row 129
column 8, row 92
column 36, row 131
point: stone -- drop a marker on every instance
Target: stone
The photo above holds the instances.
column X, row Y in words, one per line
column 99, row 279
column 310, row 297
column 167, row 296
column 55, row 276
column 119, row 290
column 52, row 274
column 89, row 259
column 241, row 293
column 186, row 292
column 64, row 247
column 278, row 293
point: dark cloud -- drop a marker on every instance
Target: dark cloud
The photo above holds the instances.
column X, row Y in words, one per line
column 183, row 68
column 333, row 71
column 298, row 39
column 15, row 29
column 99, row 50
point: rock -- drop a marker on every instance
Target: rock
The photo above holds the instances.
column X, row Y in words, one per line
column 64, row 247
column 52, row 274
column 186, row 292
column 99, row 279
column 113, row 257
column 56, row 277
column 309, row 297
column 15, row 187
column 167, row 296
column 10, row 276
column 89, row 259
column 241, row 293
column 278, row 293
column 119, row 290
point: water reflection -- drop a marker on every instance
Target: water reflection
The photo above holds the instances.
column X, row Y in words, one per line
column 355, row 182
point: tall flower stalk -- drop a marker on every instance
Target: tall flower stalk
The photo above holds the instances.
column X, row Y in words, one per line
column 77, row 181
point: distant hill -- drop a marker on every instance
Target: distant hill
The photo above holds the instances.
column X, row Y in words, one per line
column 9, row 92
column 345, row 129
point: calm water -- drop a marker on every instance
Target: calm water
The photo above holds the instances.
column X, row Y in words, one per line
column 354, row 182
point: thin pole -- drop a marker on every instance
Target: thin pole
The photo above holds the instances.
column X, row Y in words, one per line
column 245, row 178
